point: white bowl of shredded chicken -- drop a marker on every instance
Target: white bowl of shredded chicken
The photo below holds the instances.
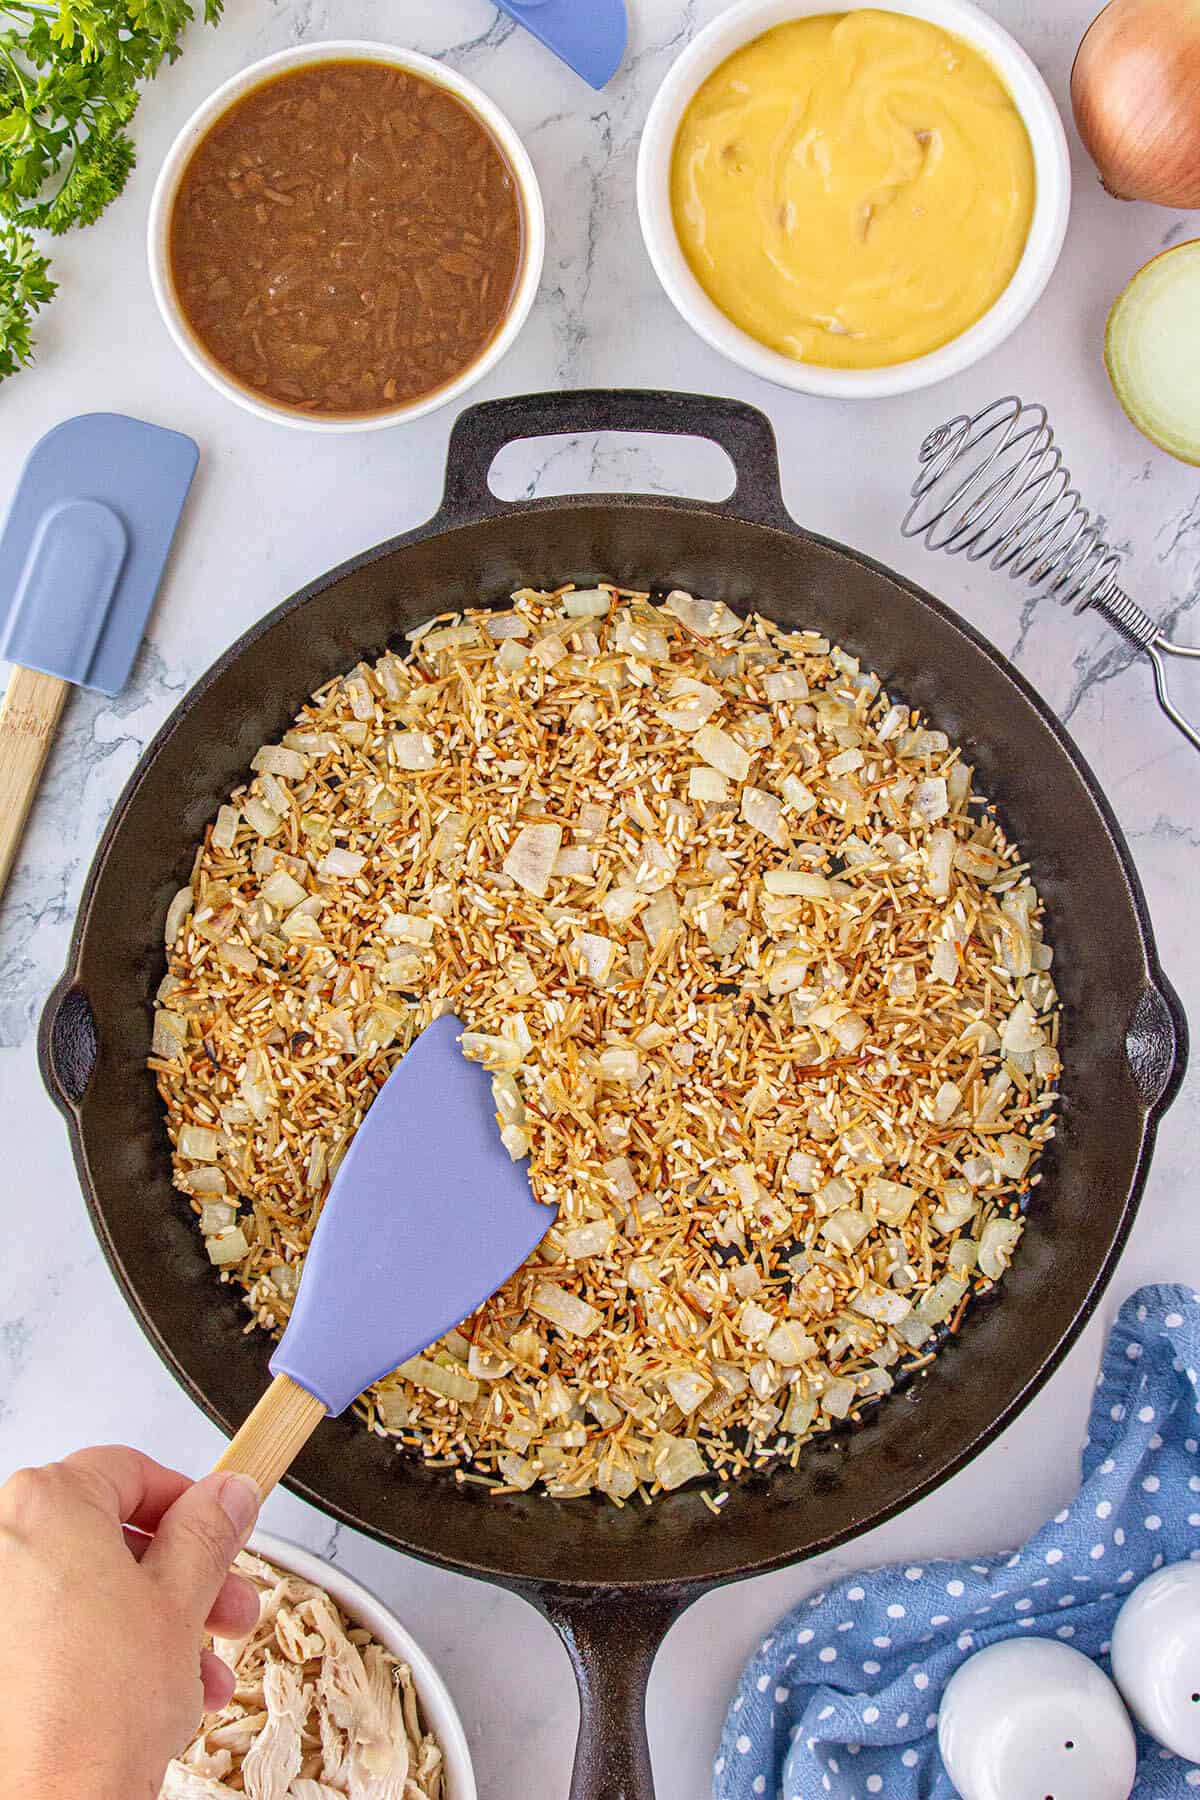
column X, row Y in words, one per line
column 334, row 1700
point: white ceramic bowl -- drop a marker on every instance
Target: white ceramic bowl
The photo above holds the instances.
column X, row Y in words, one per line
column 362, row 1608
column 342, row 50
column 740, row 26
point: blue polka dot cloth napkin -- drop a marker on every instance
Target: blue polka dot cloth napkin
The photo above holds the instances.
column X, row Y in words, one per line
column 841, row 1699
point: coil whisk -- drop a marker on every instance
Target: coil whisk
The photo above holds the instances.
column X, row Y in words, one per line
column 995, row 487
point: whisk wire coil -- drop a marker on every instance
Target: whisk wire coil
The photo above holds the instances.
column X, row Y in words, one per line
column 994, row 486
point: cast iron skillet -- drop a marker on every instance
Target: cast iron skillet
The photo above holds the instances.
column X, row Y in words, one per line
column 613, row 1581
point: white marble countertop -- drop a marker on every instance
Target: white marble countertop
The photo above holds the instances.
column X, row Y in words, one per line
column 272, row 509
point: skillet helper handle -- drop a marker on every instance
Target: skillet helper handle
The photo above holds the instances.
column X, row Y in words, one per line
column 612, row 1641
column 743, row 432
column 274, row 1434
column 28, row 720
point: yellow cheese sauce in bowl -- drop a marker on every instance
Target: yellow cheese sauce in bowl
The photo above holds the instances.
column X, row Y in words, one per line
column 854, row 202
column 853, row 189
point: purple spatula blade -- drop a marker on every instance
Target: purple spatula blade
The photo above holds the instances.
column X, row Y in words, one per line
column 426, row 1218
column 589, row 35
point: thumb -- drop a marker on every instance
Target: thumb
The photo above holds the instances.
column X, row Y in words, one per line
column 199, row 1536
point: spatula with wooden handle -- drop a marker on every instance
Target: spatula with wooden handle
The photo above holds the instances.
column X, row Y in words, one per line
column 81, row 556
column 426, row 1218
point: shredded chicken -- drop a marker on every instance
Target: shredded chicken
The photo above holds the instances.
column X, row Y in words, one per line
column 320, row 1711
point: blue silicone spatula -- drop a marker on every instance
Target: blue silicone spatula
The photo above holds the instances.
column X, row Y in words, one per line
column 81, row 556
column 426, row 1218
column 589, row 35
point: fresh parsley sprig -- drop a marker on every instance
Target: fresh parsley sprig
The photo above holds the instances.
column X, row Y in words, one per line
column 70, row 79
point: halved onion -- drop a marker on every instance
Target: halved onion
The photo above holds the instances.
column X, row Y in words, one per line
column 1150, row 350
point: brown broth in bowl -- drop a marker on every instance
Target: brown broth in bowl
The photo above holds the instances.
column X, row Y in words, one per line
column 346, row 239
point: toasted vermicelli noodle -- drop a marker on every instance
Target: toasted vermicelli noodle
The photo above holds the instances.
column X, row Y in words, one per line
column 761, row 983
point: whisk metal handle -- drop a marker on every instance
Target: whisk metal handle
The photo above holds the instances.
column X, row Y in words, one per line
column 1127, row 617
column 996, row 486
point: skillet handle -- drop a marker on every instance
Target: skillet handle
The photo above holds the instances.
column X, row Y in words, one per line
column 1156, row 1045
column 68, row 1043
column 745, row 434
column 612, row 1640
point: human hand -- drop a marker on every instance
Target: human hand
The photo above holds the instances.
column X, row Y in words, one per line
column 111, row 1570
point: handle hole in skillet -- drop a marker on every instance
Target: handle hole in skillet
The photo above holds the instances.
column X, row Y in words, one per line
column 604, row 462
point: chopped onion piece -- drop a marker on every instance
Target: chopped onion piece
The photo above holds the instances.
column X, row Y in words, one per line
column 785, row 684
column 996, row 1245
column 511, row 656
column 931, row 800
column 850, row 1031
column 838, row 1396
column 178, row 911
column 273, row 759
column 516, row 1471
column 943, row 964
column 341, row 865
column 946, row 1102
column 722, row 752
column 531, row 860
column 693, row 704
column 599, row 955
column 802, row 1170
column 789, row 1346
column 1020, row 1031
column 688, row 1389
column 499, row 1055
column 260, row 818
column 661, row 917
column 567, row 1311
column 708, row 786
column 198, row 1143
column 892, row 1201
column 881, row 1304
column 436, row 1378
column 593, row 1239
column 755, row 1322
column 619, row 1173
column 412, row 751
column 846, row 1229
column 798, row 795
column 704, row 618
column 224, row 831
column 225, row 1247
column 618, row 1064
column 941, row 1300
column 576, row 863
column 170, row 1034
column 761, row 812
column 587, row 603
column 410, row 928
column 1012, row 1155
column 621, row 904
column 676, row 1460
column 504, row 625
column 282, row 891
column 217, row 1215
column 941, row 858
column 796, row 883
column 964, row 1254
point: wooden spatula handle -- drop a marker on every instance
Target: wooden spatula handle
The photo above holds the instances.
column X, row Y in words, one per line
column 274, row 1434
column 28, row 719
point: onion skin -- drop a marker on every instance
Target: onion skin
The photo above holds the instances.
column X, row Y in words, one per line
column 1135, row 91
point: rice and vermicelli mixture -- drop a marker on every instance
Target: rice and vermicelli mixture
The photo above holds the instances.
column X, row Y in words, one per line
column 761, row 983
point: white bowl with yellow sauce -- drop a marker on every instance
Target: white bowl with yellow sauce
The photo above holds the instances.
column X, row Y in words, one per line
column 854, row 201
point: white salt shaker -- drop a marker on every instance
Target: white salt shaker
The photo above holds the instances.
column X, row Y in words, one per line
column 1032, row 1719
column 1156, row 1657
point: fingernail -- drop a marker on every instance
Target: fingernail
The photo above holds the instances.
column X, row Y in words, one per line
column 239, row 1499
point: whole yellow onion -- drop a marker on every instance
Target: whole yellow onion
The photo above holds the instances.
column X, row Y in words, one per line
column 1135, row 90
